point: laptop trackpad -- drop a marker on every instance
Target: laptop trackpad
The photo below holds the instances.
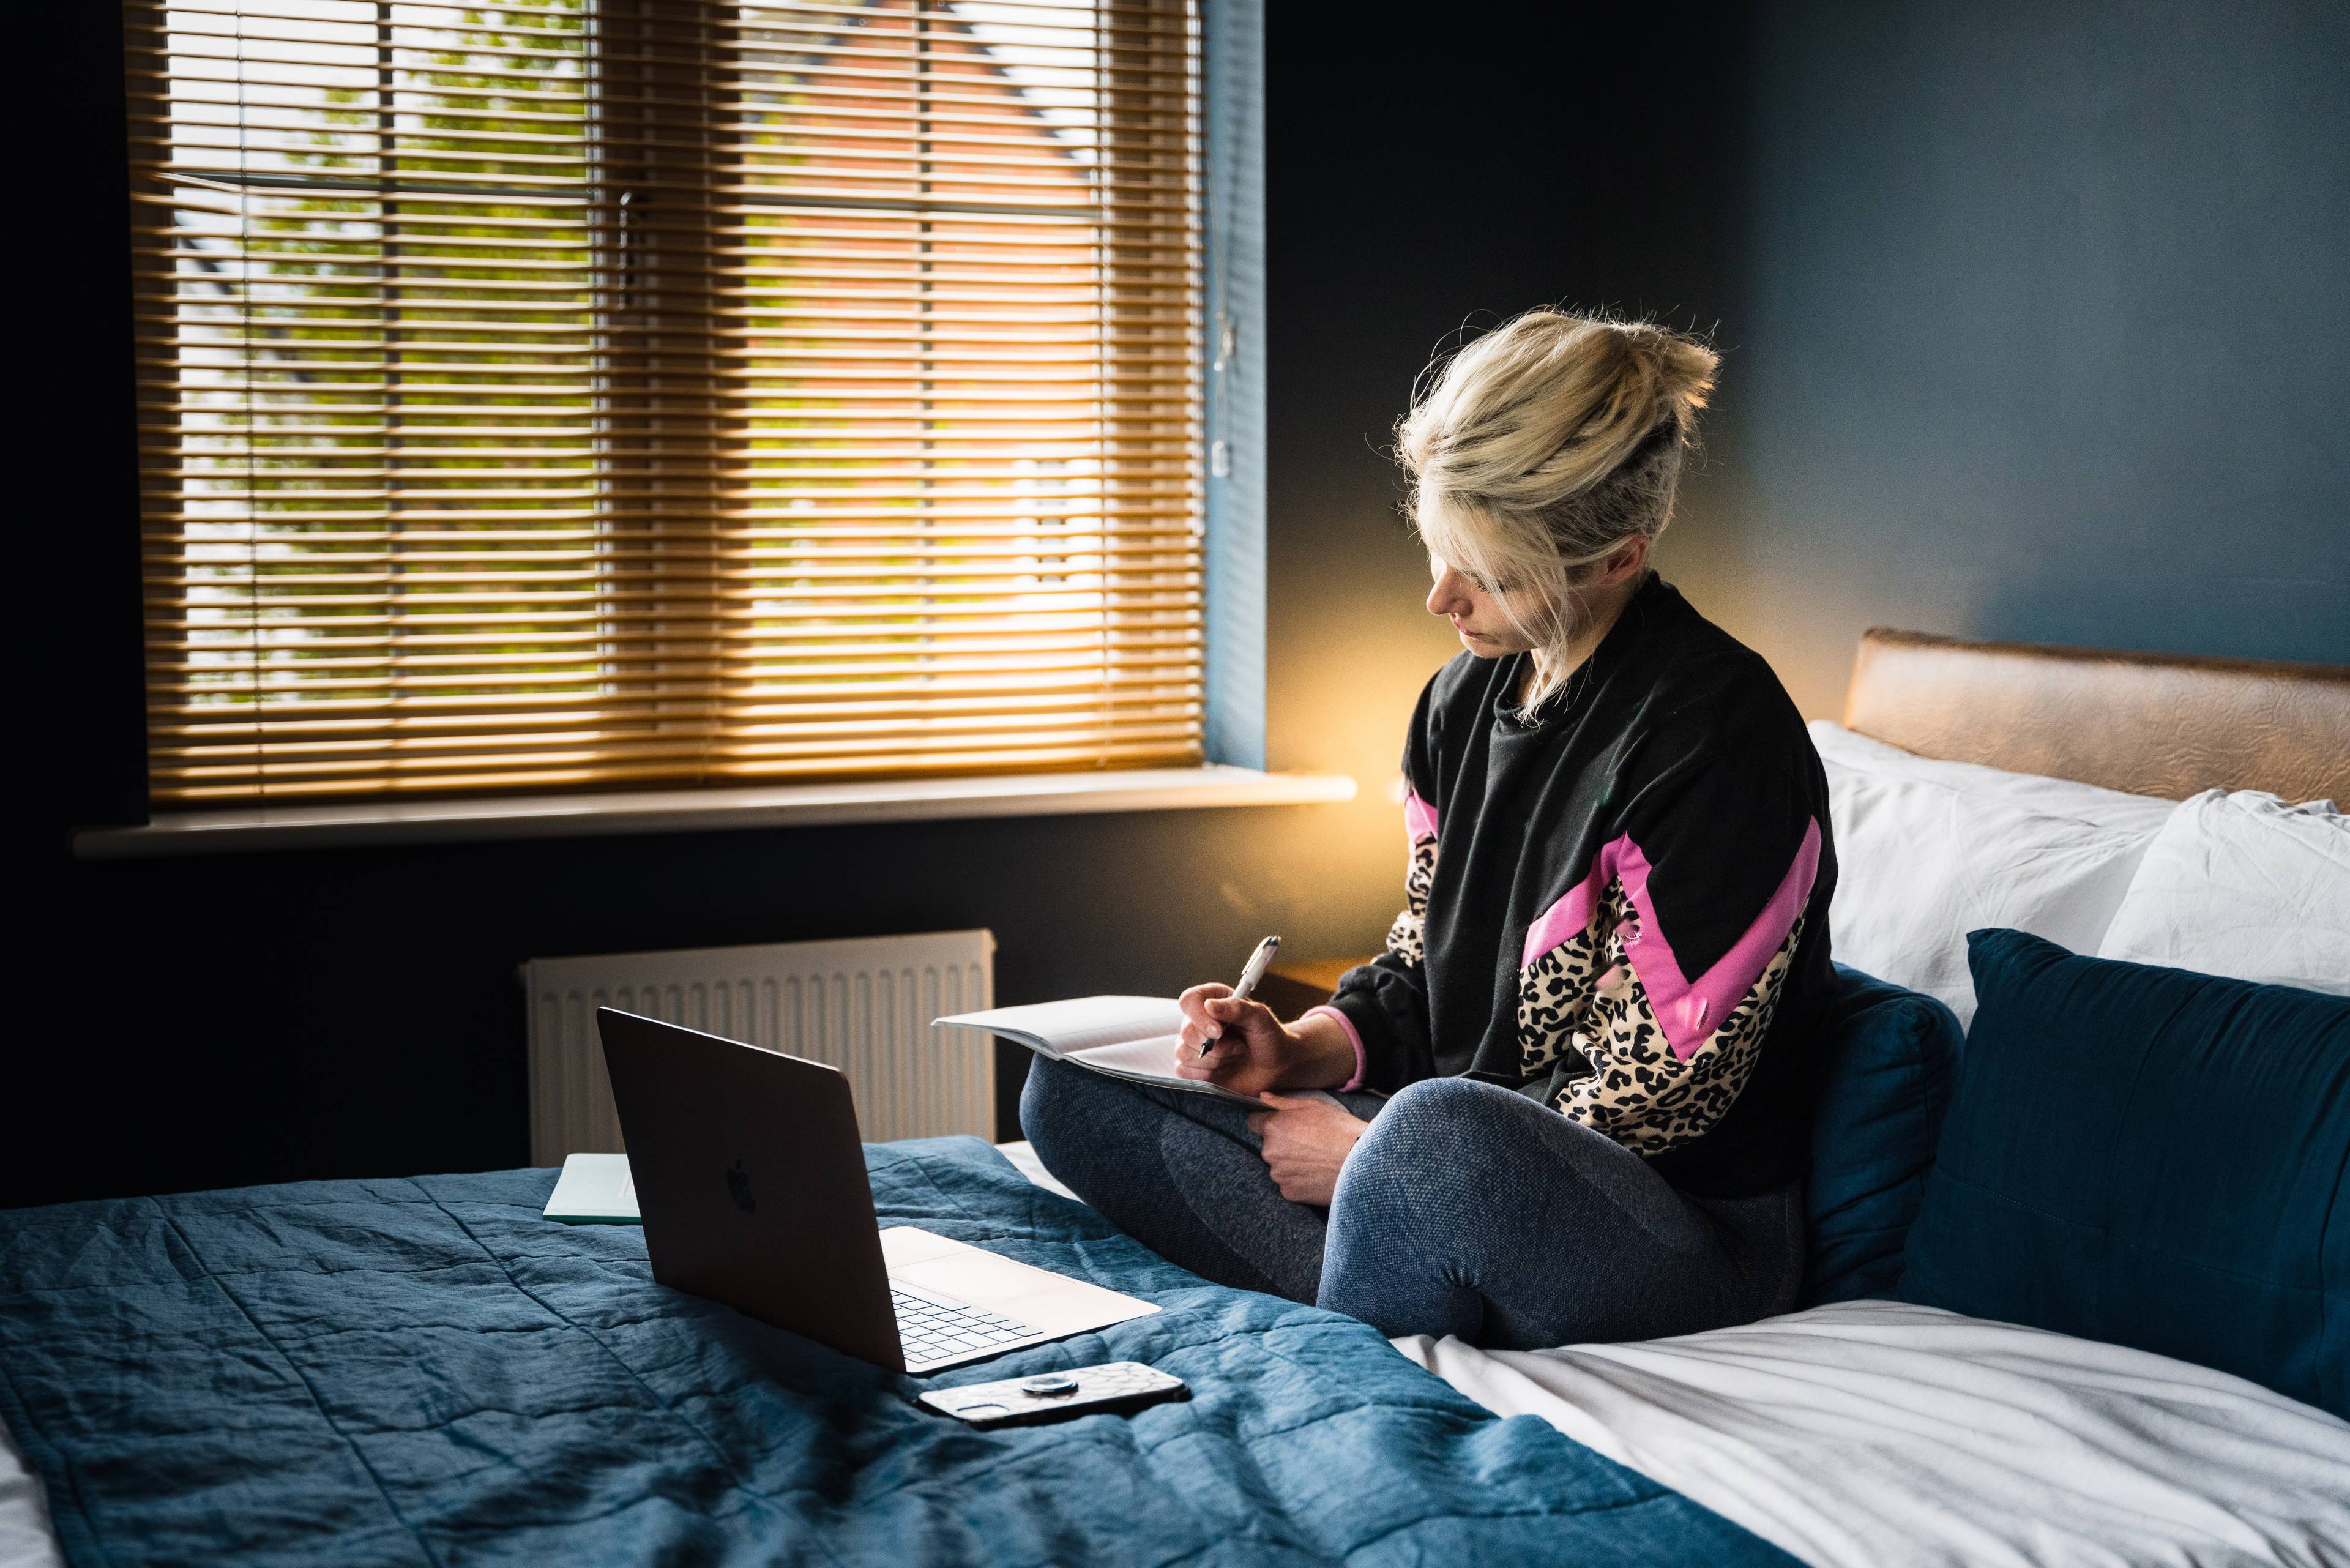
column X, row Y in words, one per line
column 1049, row 1303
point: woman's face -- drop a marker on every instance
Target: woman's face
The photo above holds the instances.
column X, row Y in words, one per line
column 1474, row 608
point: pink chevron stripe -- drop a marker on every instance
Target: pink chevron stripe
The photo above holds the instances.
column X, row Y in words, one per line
column 1688, row 1010
column 1419, row 818
column 1571, row 916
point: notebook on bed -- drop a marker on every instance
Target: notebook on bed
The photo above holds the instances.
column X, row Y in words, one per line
column 1130, row 1037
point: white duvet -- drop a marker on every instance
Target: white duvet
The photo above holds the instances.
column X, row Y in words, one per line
column 26, row 1538
column 1876, row 1435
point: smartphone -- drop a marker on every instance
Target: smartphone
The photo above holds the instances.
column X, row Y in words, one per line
column 1114, row 1387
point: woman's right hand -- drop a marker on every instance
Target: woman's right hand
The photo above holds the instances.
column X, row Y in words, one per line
column 1249, row 1050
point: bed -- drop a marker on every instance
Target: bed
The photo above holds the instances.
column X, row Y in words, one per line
column 425, row 1371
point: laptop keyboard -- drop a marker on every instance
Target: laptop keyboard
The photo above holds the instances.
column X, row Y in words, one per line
column 932, row 1327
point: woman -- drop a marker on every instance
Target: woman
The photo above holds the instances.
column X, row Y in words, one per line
column 1571, row 1100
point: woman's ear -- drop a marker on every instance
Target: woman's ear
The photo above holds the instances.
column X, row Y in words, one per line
column 1627, row 562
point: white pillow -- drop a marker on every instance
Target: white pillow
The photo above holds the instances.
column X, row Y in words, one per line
column 1928, row 851
column 2245, row 885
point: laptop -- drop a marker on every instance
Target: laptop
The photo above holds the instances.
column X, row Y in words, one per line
column 751, row 1178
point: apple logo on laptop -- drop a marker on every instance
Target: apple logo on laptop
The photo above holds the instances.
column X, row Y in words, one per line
column 738, row 1185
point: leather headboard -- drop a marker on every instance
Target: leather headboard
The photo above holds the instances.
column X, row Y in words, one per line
column 2159, row 724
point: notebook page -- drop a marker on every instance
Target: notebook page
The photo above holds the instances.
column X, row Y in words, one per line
column 1151, row 1058
column 594, row 1190
column 1084, row 1021
column 1155, row 1060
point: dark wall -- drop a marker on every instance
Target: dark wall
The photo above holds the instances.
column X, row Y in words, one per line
column 1425, row 182
column 272, row 1016
column 222, row 1020
column 2041, row 330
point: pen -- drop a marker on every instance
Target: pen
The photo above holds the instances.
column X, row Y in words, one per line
column 1259, row 961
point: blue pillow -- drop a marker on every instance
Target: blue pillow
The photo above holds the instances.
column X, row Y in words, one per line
column 2152, row 1157
column 1888, row 1056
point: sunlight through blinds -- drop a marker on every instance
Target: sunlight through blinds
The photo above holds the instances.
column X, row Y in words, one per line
column 592, row 393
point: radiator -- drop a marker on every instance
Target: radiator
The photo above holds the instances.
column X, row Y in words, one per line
column 863, row 1006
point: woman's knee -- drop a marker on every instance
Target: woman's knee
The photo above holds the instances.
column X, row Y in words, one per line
column 1055, row 1100
column 1430, row 1128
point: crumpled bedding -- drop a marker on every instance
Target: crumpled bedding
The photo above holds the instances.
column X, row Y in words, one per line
column 426, row 1371
column 1874, row 1434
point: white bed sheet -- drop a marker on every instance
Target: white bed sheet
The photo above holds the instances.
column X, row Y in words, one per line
column 1024, row 1156
column 1877, row 1435
column 27, row 1541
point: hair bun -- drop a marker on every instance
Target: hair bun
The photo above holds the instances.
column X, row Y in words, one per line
column 1682, row 368
column 1556, row 416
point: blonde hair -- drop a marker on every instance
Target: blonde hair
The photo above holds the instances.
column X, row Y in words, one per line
column 1542, row 448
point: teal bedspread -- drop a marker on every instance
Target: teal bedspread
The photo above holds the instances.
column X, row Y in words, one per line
column 425, row 1371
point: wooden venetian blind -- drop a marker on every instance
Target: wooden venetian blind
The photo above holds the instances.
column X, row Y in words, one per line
column 580, row 393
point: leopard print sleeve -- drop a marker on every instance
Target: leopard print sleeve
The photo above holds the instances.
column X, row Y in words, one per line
column 1640, row 1091
column 1662, row 1054
column 1408, row 938
column 1556, row 986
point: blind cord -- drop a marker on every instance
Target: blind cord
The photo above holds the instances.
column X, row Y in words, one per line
column 1224, row 366
column 252, row 465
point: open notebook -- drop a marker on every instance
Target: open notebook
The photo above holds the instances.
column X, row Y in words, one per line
column 1130, row 1037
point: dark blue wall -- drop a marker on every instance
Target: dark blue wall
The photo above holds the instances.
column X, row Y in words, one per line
column 2040, row 328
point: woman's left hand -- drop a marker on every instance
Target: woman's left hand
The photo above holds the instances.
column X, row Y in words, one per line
column 1305, row 1142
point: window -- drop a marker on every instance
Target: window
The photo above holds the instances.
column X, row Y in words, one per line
column 600, row 393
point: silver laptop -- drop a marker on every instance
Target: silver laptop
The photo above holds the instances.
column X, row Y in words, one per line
column 751, row 1179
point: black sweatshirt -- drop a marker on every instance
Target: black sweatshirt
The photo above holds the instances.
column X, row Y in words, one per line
column 1617, row 904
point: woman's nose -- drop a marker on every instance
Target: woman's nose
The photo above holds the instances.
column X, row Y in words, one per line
column 1446, row 598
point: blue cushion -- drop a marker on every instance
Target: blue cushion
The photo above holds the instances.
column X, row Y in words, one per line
column 1888, row 1056
column 2152, row 1157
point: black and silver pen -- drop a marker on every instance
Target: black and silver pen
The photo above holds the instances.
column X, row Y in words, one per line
column 1253, row 972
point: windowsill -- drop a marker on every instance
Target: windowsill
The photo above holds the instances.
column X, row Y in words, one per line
column 705, row 810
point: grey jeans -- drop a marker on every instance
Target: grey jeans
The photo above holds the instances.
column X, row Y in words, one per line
column 1465, row 1210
